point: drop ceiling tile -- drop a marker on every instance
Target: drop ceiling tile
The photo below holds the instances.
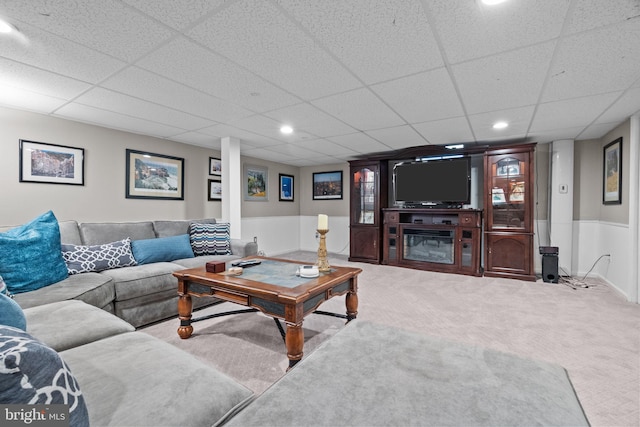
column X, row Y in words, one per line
column 398, row 137
column 519, row 120
column 33, row 79
column 23, row 99
column 307, row 118
column 194, row 66
column 177, row 14
column 257, row 36
column 266, row 154
column 422, row 97
column 359, row 142
column 112, row 28
column 117, row 102
column 265, row 126
column 360, row 109
column 197, row 138
column 589, row 14
column 247, row 138
column 584, row 62
column 447, row 131
column 511, row 79
column 377, row 40
column 51, row 53
column 490, row 30
column 326, row 147
column 626, row 106
column 597, row 131
column 571, row 113
column 145, row 85
column 113, row 120
column 293, row 150
column 557, row 134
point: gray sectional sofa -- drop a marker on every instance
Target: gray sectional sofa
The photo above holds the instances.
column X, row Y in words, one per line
column 140, row 294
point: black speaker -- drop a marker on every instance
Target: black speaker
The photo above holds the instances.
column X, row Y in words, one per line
column 550, row 265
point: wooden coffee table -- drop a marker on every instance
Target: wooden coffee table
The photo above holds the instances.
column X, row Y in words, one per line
column 273, row 288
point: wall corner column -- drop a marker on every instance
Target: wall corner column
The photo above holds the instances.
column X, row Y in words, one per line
column 232, row 185
column 561, row 203
column 634, row 206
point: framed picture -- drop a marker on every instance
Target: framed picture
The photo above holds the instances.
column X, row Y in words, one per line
column 286, row 188
column 508, row 167
column 154, row 176
column 256, row 183
column 50, row 163
column 497, row 196
column 612, row 173
column 327, row 185
column 215, row 190
column 215, row 166
column 516, row 193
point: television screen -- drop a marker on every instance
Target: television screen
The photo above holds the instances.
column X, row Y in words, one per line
column 433, row 182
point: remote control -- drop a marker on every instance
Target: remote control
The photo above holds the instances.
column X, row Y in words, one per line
column 246, row 263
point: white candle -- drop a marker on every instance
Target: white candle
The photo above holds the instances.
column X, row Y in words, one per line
column 323, row 222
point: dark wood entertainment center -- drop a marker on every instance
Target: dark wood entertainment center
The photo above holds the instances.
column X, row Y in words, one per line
column 449, row 239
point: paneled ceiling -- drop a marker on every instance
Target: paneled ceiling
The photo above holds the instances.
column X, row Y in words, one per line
column 350, row 76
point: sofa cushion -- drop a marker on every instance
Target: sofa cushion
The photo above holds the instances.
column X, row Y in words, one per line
column 93, row 288
column 142, row 280
column 134, row 379
column 84, row 259
column 210, row 239
column 67, row 324
column 162, row 249
column 96, row 233
column 33, row 373
column 69, row 232
column 177, row 227
column 30, row 256
column 11, row 313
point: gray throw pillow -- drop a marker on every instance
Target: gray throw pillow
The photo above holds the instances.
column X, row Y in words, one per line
column 82, row 259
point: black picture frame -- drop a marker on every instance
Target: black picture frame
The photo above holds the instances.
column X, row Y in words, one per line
column 612, row 173
column 154, row 176
column 286, row 187
column 215, row 166
column 45, row 163
column 327, row 185
column 214, row 190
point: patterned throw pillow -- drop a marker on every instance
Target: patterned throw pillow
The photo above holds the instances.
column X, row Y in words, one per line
column 82, row 259
column 33, row 373
column 210, row 239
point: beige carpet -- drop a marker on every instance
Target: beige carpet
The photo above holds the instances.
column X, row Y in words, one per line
column 592, row 332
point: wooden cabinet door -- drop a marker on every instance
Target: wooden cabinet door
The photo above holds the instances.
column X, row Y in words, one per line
column 365, row 243
column 509, row 255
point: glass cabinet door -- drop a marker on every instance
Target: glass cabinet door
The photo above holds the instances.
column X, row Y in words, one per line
column 508, row 193
column 364, row 188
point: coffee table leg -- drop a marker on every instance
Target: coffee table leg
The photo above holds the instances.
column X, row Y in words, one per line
column 294, row 341
column 352, row 305
column 185, row 306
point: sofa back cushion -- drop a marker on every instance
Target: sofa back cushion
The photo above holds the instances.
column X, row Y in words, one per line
column 70, row 232
column 30, row 255
column 177, row 227
column 97, row 233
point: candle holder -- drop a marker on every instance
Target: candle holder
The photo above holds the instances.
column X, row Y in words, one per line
column 323, row 263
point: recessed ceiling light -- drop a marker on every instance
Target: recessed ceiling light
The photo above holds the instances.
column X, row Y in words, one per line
column 286, row 129
column 5, row 27
column 492, row 2
column 500, row 125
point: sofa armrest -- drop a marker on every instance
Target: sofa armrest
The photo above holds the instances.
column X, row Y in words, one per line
column 243, row 248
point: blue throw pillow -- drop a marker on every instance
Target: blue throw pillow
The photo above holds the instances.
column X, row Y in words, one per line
column 33, row 373
column 11, row 313
column 30, row 255
column 162, row 249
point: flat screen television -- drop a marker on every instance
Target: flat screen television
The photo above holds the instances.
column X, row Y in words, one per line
column 441, row 182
